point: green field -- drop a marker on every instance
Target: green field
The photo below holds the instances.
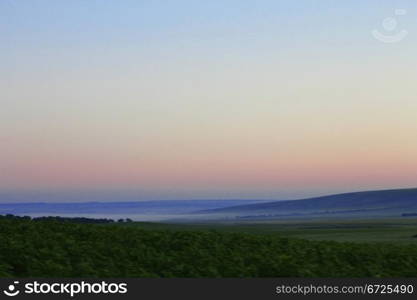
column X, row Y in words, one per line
column 64, row 248
column 396, row 231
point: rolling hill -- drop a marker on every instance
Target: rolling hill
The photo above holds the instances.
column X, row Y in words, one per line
column 384, row 203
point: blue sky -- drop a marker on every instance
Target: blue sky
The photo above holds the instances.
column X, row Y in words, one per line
column 207, row 98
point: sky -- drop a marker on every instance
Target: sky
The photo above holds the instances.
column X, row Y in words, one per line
column 208, row 99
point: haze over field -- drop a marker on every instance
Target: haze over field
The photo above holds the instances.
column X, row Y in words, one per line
column 206, row 99
column 377, row 205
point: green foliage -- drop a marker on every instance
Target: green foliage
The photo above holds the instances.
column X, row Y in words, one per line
column 51, row 248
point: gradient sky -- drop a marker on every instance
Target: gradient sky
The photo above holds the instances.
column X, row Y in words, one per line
column 207, row 99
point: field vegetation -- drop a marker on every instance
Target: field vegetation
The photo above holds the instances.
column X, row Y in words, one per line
column 61, row 248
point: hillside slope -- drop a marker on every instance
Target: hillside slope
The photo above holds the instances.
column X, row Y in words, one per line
column 370, row 203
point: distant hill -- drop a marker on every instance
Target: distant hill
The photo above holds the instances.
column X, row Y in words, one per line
column 385, row 203
column 401, row 203
column 135, row 210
